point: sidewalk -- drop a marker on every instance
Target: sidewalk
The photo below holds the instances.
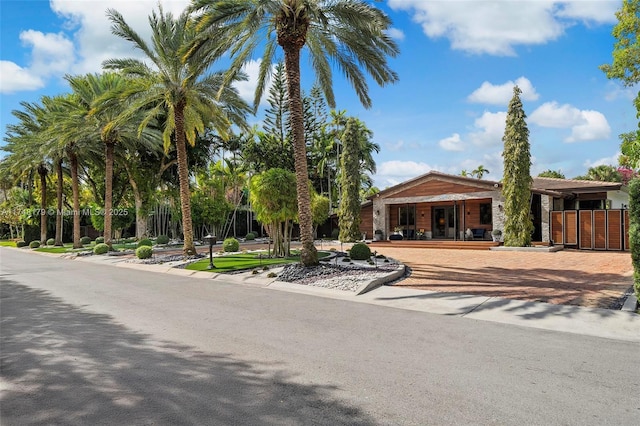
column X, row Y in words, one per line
column 604, row 323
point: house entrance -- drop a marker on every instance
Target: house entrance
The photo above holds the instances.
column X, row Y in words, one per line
column 444, row 223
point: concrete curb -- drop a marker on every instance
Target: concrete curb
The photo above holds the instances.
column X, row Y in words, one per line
column 377, row 282
column 630, row 304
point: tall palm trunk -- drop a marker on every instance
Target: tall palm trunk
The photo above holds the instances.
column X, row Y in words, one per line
column 59, row 215
column 42, row 171
column 108, row 191
column 308, row 253
column 73, row 160
column 183, row 174
column 138, row 198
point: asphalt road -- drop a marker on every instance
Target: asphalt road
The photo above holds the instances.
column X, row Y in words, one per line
column 90, row 344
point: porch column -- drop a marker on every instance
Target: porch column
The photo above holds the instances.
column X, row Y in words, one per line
column 545, row 211
column 380, row 216
column 497, row 211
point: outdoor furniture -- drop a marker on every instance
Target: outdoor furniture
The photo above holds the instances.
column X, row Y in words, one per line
column 478, row 233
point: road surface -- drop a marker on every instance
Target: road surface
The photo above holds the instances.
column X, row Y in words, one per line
column 91, row 344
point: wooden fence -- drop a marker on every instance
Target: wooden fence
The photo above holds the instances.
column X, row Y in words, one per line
column 591, row 229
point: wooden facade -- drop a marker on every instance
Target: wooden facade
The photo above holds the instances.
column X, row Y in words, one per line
column 440, row 207
column 591, row 229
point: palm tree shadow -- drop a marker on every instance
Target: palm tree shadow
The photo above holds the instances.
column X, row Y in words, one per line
column 535, row 285
column 64, row 365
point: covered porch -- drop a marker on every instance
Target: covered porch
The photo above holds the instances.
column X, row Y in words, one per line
column 465, row 219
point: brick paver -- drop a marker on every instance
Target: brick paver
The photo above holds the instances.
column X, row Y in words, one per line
column 569, row 277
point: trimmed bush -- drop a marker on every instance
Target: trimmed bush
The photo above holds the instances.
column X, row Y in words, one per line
column 34, row 244
column 100, row 248
column 162, row 239
column 360, row 251
column 634, row 231
column 85, row 240
column 250, row 236
column 145, row 242
column 335, row 234
column 21, row 244
column 144, row 252
column 99, row 240
column 51, row 242
column 230, row 245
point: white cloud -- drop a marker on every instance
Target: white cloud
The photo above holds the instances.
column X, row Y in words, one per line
column 616, row 90
column 490, row 129
column 500, row 94
column 396, row 33
column 247, row 89
column 594, row 127
column 452, row 143
column 51, row 54
column 93, row 38
column 585, row 125
column 393, row 172
column 604, row 161
column 589, row 12
column 14, row 78
column 397, row 146
column 56, row 54
column 497, row 27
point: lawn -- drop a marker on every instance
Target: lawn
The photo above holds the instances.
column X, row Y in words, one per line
column 243, row 261
column 7, row 243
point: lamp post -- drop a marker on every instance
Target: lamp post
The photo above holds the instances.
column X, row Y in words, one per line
column 211, row 239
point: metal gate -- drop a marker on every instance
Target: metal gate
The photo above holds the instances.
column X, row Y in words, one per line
column 591, row 229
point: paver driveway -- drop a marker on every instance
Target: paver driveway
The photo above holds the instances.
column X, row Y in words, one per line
column 570, row 277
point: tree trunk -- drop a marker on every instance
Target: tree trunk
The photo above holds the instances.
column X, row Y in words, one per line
column 42, row 171
column 73, row 159
column 189, row 248
column 308, row 252
column 141, row 220
column 59, row 215
column 108, row 191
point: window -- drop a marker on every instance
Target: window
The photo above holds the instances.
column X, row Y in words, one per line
column 485, row 214
column 407, row 216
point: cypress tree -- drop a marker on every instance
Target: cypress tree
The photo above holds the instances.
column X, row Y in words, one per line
column 349, row 210
column 516, row 187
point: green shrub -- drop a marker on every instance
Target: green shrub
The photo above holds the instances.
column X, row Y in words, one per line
column 272, row 275
column 230, row 244
column 145, row 242
column 21, row 244
column 51, row 242
column 85, row 240
column 34, row 244
column 144, row 252
column 250, row 236
column 162, row 239
column 99, row 240
column 100, row 248
column 360, row 251
column 335, row 234
column 634, row 231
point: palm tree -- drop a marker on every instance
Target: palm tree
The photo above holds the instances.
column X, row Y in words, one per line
column 349, row 33
column 480, row 171
column 26, row 143
column 178, row 87
column 100, row 123
column 70, row 126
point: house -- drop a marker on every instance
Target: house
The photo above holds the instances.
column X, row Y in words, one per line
column 440, row 206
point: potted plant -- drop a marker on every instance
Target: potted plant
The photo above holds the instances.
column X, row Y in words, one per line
column 378, row 235
column 496, row 235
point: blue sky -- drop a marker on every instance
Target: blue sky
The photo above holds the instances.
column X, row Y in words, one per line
column 458, row 63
